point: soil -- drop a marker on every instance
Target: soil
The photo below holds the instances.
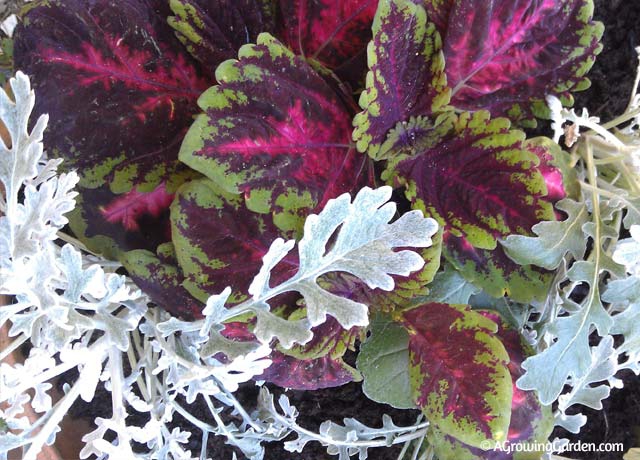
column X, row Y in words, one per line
column 612, row 78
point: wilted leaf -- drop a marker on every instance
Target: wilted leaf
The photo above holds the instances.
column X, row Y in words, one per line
column 459, row 373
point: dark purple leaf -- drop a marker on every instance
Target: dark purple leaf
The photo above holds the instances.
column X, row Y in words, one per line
column 333, row 32
column 109, row 224
column 406, row 77
column 118, row 88
column 214, row 30
column 317, row 364
column 121, row 94
column 308, row 374
column 507, row 55
column 160, row 277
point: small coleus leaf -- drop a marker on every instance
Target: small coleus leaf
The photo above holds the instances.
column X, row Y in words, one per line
column 480, row 181
column 275, row 130
column 121, row 97
column 220, row 243
column 332, row 32
column 214, row 30
column 117, row 86
column 160, row 277
column 406, row 77
column 318, row 363
column 531, row 422
column 505, row 56
column 308, row 374
column 554, row 239
column 465, row 390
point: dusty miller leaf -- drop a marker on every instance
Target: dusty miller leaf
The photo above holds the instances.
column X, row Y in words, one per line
column 554, row 239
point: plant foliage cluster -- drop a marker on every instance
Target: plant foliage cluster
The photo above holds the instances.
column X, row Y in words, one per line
column 238, row 159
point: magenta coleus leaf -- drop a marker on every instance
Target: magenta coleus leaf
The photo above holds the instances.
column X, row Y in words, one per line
column 480, row 181
column 406, row 77
column 531, row 422
column 214, row 30
column 459, row 373
column 220, row 243
column 120, row 93
column 333, row 32
column 275, row 130
column 505, row 56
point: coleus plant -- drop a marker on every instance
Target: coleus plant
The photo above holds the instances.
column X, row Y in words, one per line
column 191, row 206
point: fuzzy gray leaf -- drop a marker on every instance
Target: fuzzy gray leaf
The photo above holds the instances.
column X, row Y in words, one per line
column 554, row 239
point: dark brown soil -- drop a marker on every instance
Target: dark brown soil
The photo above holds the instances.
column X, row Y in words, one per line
column 612, row 77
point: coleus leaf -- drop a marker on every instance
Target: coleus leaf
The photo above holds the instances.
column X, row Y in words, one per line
column 308, row 374
column 496, row 273
column 214, row 30
column 109, row 224
column 160, row 277
column 480, row 181
column 464, row 390
column 531, row 422
column 220, row 243
column 505, row 56
column 275, row 130
column 330, row 31
column 118, row 88
column 406, row 76
column 318, row 363
column 120, row 95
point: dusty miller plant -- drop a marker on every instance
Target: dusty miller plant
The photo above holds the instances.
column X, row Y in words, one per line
column 595, row 251
column 76, row 312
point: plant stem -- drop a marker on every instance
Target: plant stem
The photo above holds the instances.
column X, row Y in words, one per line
column 55, row 416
